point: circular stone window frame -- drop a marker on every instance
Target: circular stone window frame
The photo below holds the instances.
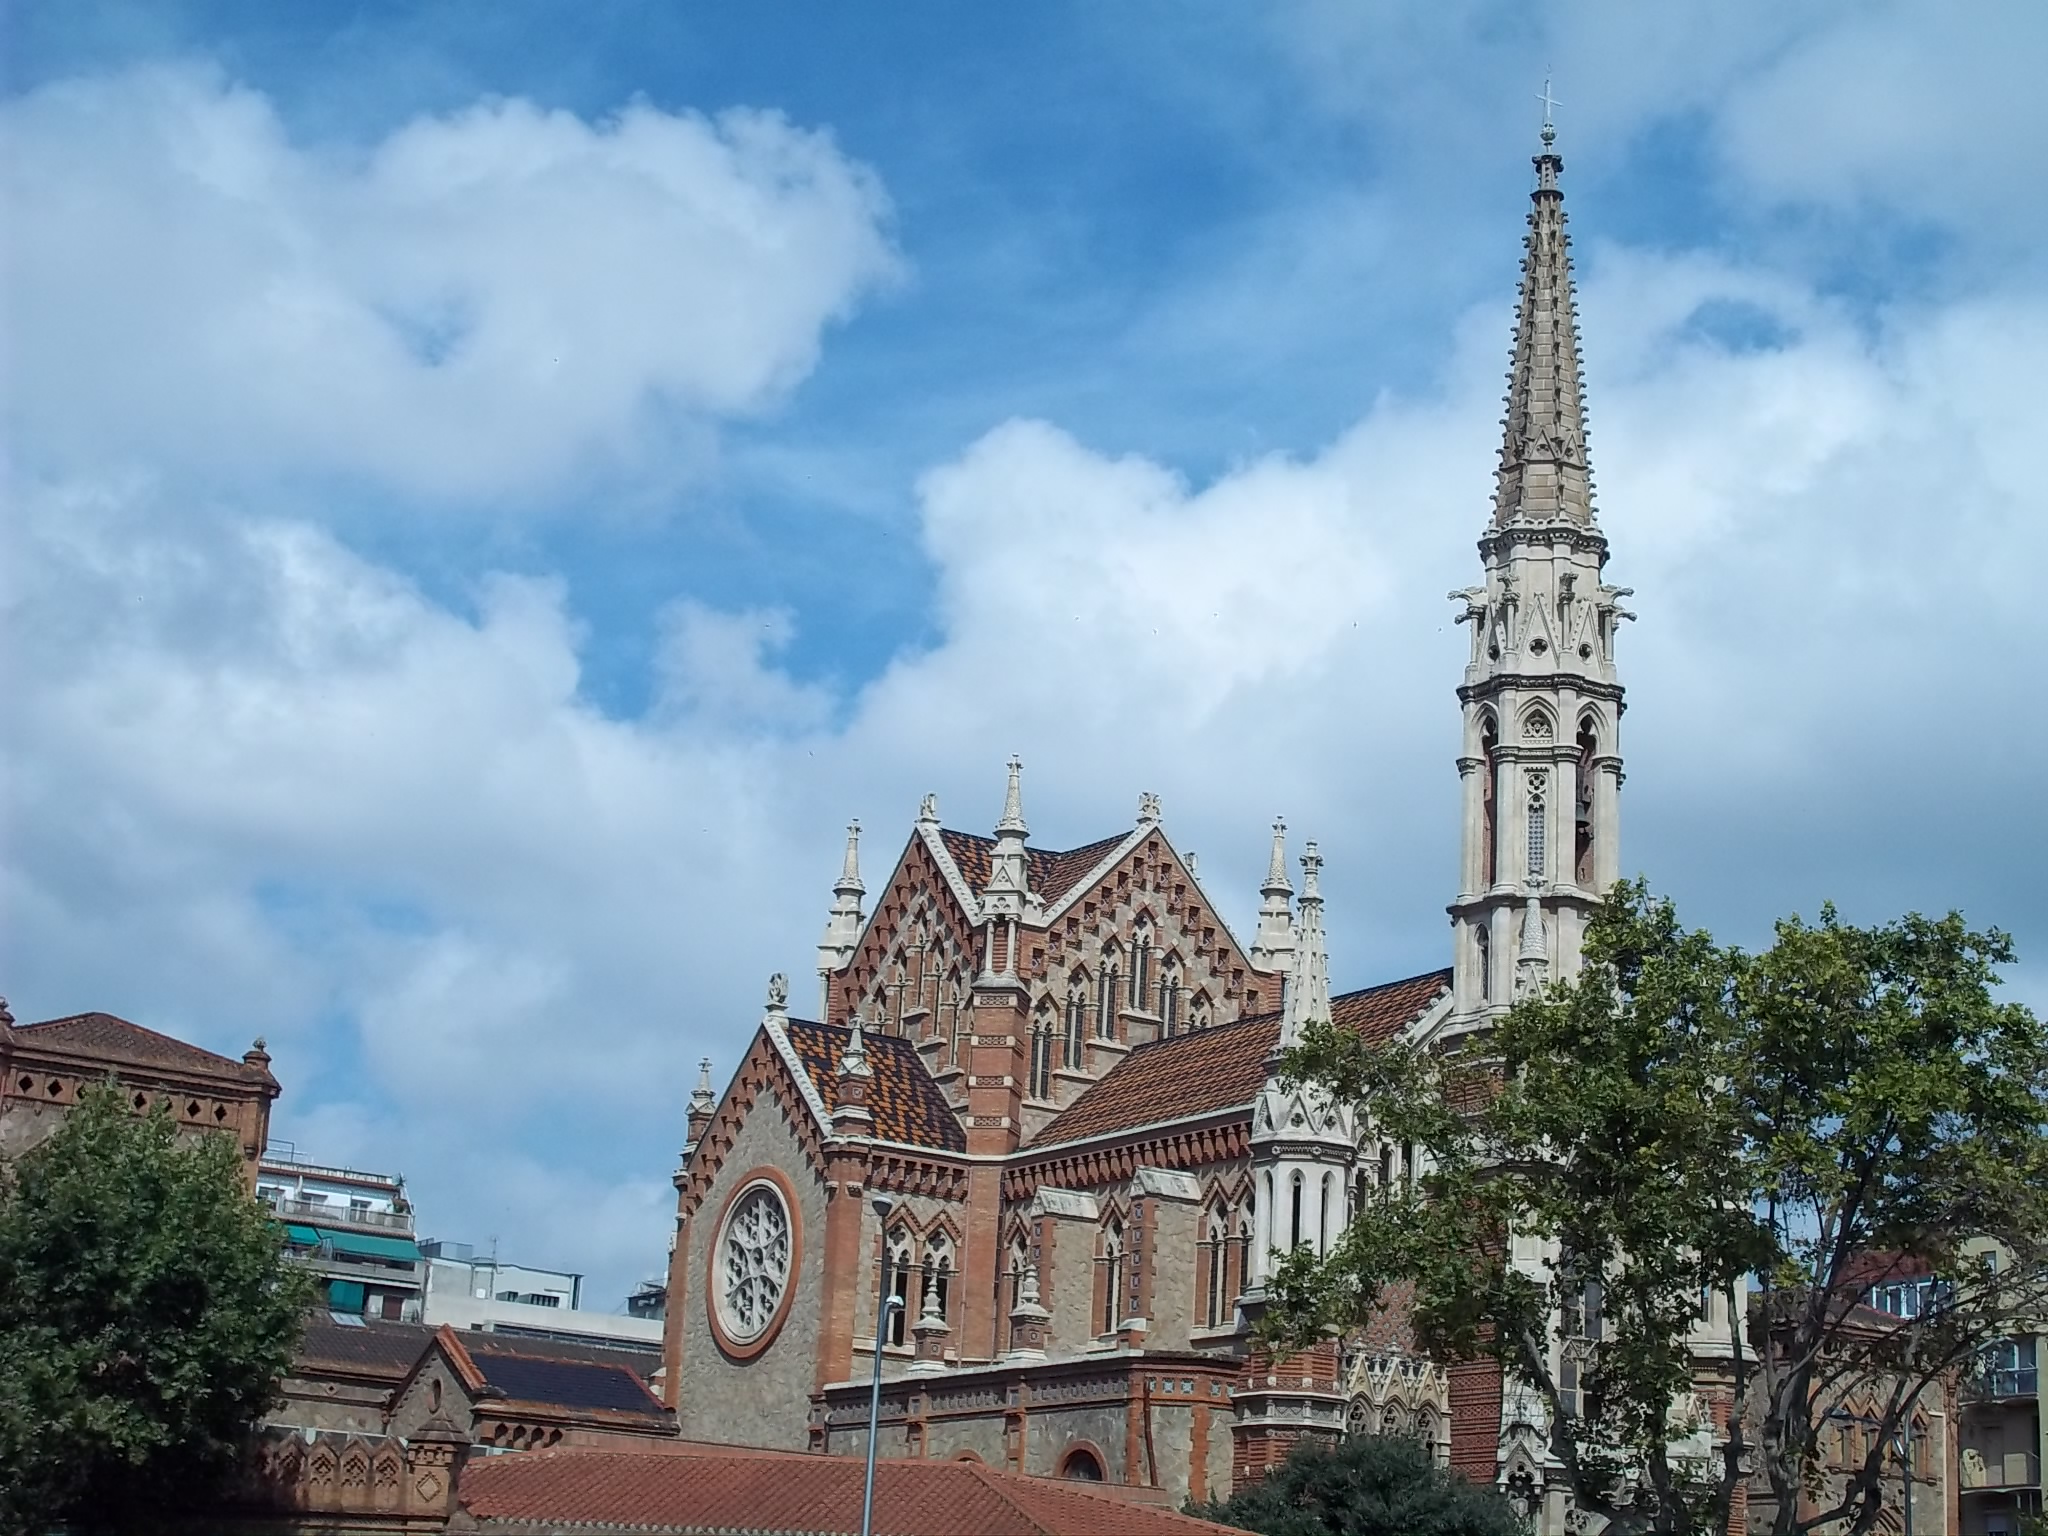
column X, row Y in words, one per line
column 755, row 1178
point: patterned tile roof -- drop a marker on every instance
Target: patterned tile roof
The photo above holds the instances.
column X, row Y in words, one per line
column 567, row 1383
column 1052, row 874
column 495, row 1341
column 115, row 1039
column 694, row 1491
column 906, row 1103
column 1208, row 1070
column 383, row 1350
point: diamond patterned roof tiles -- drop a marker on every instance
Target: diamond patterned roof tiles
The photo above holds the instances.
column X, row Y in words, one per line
column 1052, row 873
column 1220, row 1068
column 115, row 1039
column 907, row 1105
column 684, row 1490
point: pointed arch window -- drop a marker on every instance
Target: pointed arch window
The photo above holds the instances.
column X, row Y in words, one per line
column 1169, row 999
column 1041, row 1059
column 1482, row 947
column 1489, row 804
column 961, row 1022
column 1106, row 997
column 1020, row 1256
column 1294, row 1228
column 1215, row 1292
column 1538, row 818
column 938, row 1272
column 1582, row 817
column 1077, row 1022
column 1112, row 1275
column 897, row 1268
column 1141, row 966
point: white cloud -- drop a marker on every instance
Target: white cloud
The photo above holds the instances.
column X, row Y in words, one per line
column 478, row 306
column 265, row 783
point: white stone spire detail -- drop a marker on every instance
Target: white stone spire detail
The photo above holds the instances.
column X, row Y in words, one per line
column 1009, row 877
column 843, row 926
column 1532, row 961
column 1308, row 989
column 1273, row 945
column 703, row 1099
column 853, row 1059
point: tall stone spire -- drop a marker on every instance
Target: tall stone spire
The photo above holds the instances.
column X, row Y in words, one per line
column 1273, row 944
column 1541, row 763
column 1308, row 989
column 1544, row 474
column 842, row 927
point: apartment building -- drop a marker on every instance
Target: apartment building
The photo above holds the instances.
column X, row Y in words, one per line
column 352, row 1228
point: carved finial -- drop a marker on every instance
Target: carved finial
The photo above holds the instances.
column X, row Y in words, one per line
column 1193, row 862
column 7, row 1014
column 703, row 1098
column 256, row 1056
column 849, row 872
column 1027, row 1289
column 1148, row 808
column 1013, row 799
column 853, row 1060
column 1311, row 869
column 928, row 811
column 1276, row 867
column 778, row 993
column 1308, row 988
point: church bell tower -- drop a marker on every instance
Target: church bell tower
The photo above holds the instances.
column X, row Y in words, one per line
column 1541, row 763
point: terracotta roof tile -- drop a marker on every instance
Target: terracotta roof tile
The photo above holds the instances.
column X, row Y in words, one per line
column 678, row 1490
column 1221, row 1067
column 907, row 1105
column 104, row 1035
column 1052, row 873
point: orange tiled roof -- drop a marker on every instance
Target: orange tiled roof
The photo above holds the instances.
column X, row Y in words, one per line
column 683, row 1492
column 114, row 1039
column 1052, row 874
column 906, row 1103
column 1222, row 1067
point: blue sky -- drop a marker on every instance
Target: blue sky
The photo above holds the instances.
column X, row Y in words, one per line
column 491, row 490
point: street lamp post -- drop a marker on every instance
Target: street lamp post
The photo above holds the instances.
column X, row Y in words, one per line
column 888, row 1302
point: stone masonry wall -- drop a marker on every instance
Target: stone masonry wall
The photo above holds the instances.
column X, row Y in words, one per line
column 764, row 1401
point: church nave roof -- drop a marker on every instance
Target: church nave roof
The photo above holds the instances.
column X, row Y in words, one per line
column 1210, row 1070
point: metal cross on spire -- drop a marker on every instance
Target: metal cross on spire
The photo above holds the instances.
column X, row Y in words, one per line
column 1549, row 102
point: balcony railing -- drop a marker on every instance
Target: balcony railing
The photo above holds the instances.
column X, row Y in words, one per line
column 2016, row 1469
column 1998, row 1385
column 327, row 1213
column 385, row 1276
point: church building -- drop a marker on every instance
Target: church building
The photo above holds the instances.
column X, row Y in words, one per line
column 1032, row 1147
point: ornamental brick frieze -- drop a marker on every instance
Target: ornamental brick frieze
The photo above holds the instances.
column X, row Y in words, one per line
column 1187, row 1150
column 906, row 1174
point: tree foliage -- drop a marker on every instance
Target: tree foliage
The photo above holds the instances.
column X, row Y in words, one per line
column 1709, row 1135
column 1367, row 1485
column 146, row 1315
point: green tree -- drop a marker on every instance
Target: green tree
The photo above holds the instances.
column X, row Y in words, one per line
column 146, row 1315
column 1366, row 1485
column 1703, row 1129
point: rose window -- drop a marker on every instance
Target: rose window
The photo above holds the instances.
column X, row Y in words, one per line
column 753, row 1263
